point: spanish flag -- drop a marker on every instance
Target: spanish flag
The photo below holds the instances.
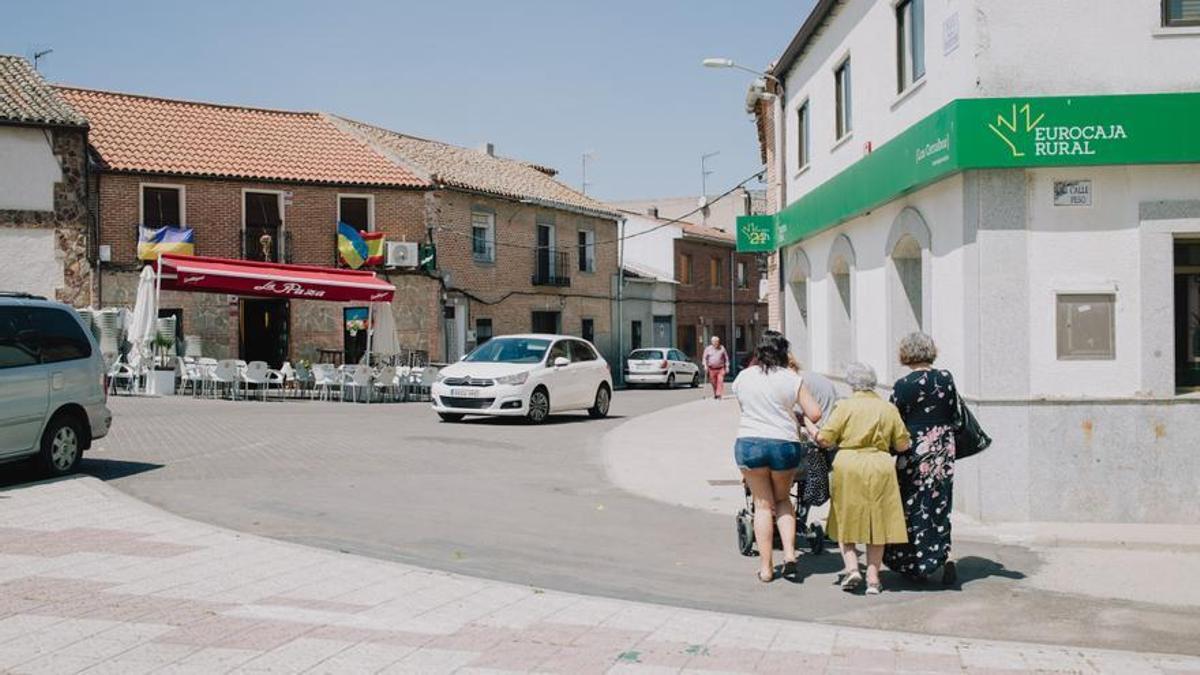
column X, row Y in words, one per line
column 154, row 241
column 351, row 247
column 375, row 247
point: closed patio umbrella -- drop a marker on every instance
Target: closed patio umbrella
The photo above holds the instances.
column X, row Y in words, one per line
column 383, row 338
column 142, row 326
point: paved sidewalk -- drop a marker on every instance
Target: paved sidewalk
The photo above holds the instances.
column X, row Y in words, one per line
column 94, row 581
column 683, row 456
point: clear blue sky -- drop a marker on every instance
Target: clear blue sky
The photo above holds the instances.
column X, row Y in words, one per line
column 542, row 79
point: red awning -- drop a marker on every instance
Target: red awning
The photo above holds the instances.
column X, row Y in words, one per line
column 272, row 280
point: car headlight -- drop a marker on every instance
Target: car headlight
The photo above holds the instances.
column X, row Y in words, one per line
column 518, row 378
column 439, row 377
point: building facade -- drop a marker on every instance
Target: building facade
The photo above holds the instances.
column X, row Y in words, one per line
column 1019, row 182
column 45, row 229
column 489, row 266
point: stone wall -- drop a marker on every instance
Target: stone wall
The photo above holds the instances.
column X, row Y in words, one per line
column 69, row 220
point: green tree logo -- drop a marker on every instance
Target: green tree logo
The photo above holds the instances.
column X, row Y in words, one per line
column 1011, row 130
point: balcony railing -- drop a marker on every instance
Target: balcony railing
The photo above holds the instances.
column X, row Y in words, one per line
column 551, row 268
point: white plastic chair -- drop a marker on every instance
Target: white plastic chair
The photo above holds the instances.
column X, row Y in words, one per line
column 288, row 373
column 385, row 381
column 188, row 373
column 325, row 377
column 227, row 374
column 258, row 373
column 425, row 382
column 360, row 378
column 121, row 371
column 205, row 366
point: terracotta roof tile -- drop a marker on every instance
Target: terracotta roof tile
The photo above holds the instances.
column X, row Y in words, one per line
column 475, row 170
column 156, row 135
column 691, row 229
column 26, row 98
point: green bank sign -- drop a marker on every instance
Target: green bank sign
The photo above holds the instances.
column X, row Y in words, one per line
column 993, row 134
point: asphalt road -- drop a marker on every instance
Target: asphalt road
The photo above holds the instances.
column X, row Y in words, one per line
column 531, row 505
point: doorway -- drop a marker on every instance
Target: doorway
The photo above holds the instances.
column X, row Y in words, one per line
column 1187, row 315
column 662, row 332
column 354, row 333
column 545, row 252
column 263, row 224
column 263, row 331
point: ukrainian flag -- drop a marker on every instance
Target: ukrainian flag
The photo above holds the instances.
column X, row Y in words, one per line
column 155, row 241
column 351, row 247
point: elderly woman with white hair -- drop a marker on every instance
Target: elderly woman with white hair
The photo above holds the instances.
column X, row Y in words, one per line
column 865, row 497
column 928, row 403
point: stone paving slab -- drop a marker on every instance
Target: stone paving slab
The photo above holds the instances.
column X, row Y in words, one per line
column 93, row 581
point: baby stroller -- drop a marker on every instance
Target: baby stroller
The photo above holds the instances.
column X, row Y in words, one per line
column 811, row 534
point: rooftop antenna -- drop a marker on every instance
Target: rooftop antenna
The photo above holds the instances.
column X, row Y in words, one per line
column 39, row 54
column 583, row 183
column 704, row 174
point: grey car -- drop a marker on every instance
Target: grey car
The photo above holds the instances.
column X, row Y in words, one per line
column 52, row 397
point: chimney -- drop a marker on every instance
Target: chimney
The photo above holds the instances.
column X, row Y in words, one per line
column 652, row 211
column 488, row 149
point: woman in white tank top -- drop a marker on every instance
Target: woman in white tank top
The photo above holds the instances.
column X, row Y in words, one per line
column 768, row 449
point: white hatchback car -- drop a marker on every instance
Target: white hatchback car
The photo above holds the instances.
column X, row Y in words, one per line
column 525, row 376
column 661, row 365
column 52, row 397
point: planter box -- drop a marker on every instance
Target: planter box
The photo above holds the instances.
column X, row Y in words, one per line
column 164, row 382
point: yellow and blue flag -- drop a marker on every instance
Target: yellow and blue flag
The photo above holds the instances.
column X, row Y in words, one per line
column 351, row 247
column 155, row 241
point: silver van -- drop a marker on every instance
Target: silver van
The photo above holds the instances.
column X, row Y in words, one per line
column 52, row 398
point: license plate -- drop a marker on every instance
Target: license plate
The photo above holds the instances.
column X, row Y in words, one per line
column 464, row 393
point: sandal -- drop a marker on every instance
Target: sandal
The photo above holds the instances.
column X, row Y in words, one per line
column 852, row 582
column 766, row 580
column 874, row 589
column 789, row 568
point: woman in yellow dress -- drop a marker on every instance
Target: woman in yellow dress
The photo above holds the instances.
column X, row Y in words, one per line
column 865, row 497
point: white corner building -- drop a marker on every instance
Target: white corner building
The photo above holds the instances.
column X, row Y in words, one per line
column 1021, row 180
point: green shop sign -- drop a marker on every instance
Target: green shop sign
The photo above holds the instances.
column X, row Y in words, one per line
column 756, row 234
column 995, row 133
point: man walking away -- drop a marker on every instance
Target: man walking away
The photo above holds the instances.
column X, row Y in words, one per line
column 716, row 362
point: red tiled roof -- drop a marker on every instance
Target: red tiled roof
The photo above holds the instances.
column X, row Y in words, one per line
column 156, row 135
column 693, row 230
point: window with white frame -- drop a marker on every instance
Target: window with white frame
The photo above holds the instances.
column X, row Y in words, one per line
column 844, row 118
column 1181, row 12
column 357, row 211
column 587, row 251
column 162, row 206
column 483, row 236
column 743, row 276
column 802, row 136
column 910, row 43
column 1086, row 324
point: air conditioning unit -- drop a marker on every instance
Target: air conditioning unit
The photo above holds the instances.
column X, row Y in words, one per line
column 402, row 254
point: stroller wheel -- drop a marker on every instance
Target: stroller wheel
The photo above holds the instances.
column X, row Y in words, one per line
column 816, row 539
column 745, row 533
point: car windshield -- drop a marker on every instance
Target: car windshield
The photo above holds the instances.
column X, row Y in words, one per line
column 510, row 350
column 646, row 355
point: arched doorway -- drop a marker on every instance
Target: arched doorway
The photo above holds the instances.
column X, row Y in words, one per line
column 907, row 280
column 841, row 305
column 798, row 271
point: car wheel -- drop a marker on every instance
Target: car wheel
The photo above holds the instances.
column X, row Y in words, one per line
column 671, row 381
column 603, row 400
column 451, row 417
column 696, row 380
column 62, row 445
column 539, row 406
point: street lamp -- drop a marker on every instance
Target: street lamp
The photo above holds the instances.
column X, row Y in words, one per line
column 730, row 63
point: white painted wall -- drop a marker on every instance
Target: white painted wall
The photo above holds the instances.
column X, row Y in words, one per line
column 1096, row 249
column 1034, row 47
column 41, row 267
column 28, row 169
column 655, row 250
column 866, row 31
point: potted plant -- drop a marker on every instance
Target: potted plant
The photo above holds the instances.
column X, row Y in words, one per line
column 164, row 369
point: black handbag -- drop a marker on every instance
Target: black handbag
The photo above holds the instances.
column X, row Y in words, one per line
column 815, row 490
column 969, row 438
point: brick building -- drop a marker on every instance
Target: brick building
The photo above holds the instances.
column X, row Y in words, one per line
column 718, row 292
column 268, row 184
column 44, row 223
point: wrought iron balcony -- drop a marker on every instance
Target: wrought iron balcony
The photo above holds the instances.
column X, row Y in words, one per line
column 551, row 268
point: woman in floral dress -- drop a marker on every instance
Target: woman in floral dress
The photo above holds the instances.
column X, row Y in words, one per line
column 928, row 403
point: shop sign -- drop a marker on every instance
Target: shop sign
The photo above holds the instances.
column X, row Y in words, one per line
column 756, row 233
column 1072, row 193
column 984, row 133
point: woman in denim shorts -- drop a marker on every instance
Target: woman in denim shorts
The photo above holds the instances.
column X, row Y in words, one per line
column 768, row 449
